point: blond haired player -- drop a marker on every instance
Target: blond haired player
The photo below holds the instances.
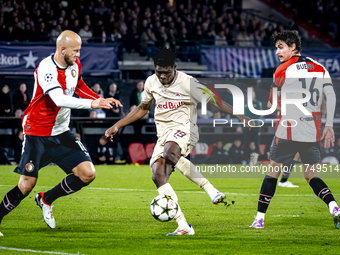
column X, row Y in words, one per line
column 176, row 95
column 46, row 128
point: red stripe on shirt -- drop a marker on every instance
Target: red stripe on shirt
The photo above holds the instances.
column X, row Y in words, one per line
column 289, row 131
column 317, row 122
column 317, row 68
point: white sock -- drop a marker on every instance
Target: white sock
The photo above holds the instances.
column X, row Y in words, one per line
column 260, row 215
column 332, row 205
column 168, row 190
column 189, row 170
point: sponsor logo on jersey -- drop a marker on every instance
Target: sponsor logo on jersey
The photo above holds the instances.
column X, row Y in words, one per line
column 69, row 91
column 310, row 118
column 29, row 167
column 178, row 95
column 73, row 72
column 304, row 66
column 169, row 105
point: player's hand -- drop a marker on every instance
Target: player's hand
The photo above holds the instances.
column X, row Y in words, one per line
column 328, row 135
column 109, row 133
column 105, row 103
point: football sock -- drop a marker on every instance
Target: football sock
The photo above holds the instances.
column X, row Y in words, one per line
column 286, row 174
column 69, row 185
column 188, row 169
column 267, row 192
column 168, row 190
column 321, row 190
column 332, row 205
column 11, row 200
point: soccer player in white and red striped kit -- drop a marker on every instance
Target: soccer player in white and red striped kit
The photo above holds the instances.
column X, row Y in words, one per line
column 46, row 128
column 300, row 132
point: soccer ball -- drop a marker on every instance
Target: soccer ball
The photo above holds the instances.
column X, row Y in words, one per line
column 163, row 208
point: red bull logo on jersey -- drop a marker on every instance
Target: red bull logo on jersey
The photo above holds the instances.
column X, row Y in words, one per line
column 169, row 105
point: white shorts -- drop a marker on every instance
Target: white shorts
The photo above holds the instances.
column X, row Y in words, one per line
column 185, row 139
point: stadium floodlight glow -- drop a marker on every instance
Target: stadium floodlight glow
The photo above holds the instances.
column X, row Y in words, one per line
column 238, row 100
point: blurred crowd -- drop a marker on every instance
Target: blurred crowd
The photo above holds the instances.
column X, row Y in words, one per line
column 142, row 26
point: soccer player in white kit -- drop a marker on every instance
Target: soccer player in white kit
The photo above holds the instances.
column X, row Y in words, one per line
column 46, row 129
column 301, row 132
column 176, row 95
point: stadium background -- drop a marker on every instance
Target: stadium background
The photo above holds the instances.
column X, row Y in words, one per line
column 216, row 41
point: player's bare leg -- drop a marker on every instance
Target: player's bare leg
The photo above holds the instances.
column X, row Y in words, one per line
column 13, row 198
column 172, row 154
column 322, row 191
column 161, row 173
column 83, row 174
column 266, row 194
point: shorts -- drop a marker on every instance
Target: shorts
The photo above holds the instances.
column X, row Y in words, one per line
column 185, row 139
column 64, row 150
column 283, row 151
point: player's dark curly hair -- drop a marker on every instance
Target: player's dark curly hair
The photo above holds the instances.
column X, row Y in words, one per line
column 288, row 37
column 164, row 57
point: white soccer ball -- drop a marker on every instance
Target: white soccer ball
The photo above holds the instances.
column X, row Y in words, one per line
column 163, row 208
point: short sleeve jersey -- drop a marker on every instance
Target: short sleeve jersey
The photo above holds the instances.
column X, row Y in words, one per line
column 176, row 103
column 42, row 117
column 301, row 72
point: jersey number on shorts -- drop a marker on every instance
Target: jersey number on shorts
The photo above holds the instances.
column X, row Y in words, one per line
column 82, row 147
column 179, row 134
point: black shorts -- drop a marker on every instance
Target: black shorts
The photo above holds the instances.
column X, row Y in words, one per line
column 283, row 151
column 39, row 151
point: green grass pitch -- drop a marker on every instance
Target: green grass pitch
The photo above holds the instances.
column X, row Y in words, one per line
column 111, row 216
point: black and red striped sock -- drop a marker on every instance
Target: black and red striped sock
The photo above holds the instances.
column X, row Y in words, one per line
column 11, row 200
column 266, row 194
column 321, row 190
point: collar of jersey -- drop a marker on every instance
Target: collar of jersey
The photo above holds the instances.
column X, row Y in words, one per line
column 58, row 66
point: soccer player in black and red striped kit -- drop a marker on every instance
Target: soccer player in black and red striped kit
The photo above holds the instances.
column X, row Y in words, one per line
column 46, row 133
column 301, row 131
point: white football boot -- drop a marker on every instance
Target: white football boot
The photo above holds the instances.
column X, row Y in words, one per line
column 46, row 209
column 287, row 184
column 181, row 231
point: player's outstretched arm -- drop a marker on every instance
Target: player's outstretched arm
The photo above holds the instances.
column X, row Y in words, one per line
column 136, row 114
column 225, row 107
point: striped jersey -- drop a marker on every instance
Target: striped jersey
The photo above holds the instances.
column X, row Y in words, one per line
column 302, row 73
column 42, row 117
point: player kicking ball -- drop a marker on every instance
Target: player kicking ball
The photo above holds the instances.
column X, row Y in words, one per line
column 296, row 72
column 175, row 118
column 46, row 133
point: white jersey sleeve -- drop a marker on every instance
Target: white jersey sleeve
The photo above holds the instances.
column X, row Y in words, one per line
column 199, row 92
column 47, row 77
column 62, row 100
column 147, row 95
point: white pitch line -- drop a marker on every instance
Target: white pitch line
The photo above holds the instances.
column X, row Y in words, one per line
column 184, row 191
column 34, row 251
